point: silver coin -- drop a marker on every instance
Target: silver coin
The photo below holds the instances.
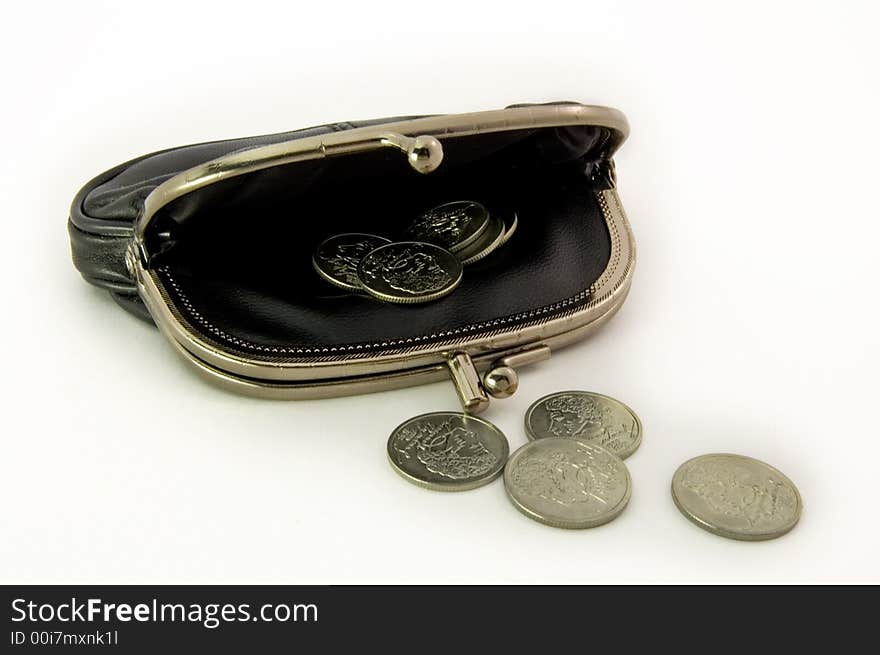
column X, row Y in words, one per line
column 488, row 242
column 336, row 259
column 448, row 451
column 453, row 226
column 567, row 483
column 585, row 415
column 736, row 497
column 409, row 272
column 510, row 226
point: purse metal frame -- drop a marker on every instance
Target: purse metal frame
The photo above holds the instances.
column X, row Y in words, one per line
column 475, row 362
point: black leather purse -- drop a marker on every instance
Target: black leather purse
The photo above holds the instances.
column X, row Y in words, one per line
column 213, row 242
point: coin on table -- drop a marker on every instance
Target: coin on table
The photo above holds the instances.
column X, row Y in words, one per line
column 567, row 483
column 448, row 451
column 336, row 259
column 409, row 272
column 585, row 415
column 453, row 225
column 488, row 242
column 736, row 497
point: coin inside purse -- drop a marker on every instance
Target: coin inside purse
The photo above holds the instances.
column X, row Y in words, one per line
column 234, row 258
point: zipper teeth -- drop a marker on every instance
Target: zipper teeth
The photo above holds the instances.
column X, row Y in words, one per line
column 391, row 343
column 410, row 341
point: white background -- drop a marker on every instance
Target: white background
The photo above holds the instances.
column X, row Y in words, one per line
column 750, row 179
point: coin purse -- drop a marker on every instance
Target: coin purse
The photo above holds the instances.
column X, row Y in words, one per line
column 213, row 242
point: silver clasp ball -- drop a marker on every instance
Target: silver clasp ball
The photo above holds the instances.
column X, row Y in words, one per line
column 425, row 154
column 501, row 382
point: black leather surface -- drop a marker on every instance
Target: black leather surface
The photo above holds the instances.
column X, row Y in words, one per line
column 103, row 212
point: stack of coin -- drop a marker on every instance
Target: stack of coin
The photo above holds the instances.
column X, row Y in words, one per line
column 571, row 474
column 425, row 265
column 463, row 227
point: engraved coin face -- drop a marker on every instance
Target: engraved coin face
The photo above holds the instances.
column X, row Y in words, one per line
column 567, row 483
column 448, row 451
column 336, row 259
column 736, row 497
column 488, row 243
column 585, row 415
column 452, row 226
column 409, row 272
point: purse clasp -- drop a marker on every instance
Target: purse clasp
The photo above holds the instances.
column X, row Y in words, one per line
column 501, row 379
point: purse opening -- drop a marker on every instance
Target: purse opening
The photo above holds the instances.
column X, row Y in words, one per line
column 235, row 257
